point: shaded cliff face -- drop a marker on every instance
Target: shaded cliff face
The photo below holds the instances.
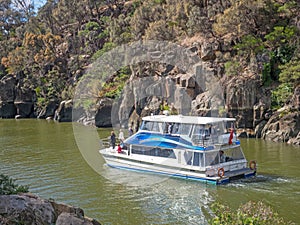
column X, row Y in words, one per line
column 16, row 99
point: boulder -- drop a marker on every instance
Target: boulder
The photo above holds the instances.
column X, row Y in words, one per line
column 70, row 218
column 27, row 208
column 7, row 109
column 64, row 111
column 207, row 51
column 60, row 208
column 24, row 109
column 282, row 126
column 7, row 88
column 49, row 110
column 103, row 114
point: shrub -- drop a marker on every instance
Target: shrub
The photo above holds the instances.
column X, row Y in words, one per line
column 281, row 94
column 232, row 68
column 9, row 187
column 251, row 213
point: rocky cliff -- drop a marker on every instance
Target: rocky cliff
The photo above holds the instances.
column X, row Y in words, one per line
column 240, row 53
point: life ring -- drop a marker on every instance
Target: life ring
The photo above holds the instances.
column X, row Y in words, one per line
column 252, row 165
column 221, row 172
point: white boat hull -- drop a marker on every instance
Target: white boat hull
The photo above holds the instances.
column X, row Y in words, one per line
column 123, row 161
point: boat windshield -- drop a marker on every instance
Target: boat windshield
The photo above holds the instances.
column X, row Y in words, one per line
column 153, row 151
column 168, row 128
column 151, row 126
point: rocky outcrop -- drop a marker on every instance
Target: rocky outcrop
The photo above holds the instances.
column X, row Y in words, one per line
column 64, row 111
column 284, row 124
column 16, row 99
column 31, row 209
column 48, row 111
column 7, row 97
column 104, row 113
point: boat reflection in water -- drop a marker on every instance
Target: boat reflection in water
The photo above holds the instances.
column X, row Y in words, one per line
column 197, row 148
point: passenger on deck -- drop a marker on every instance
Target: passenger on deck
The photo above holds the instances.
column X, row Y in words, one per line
column 130, row 131
column 121, row 136
column 113, row 139
column 119, row 149
column 222, row 156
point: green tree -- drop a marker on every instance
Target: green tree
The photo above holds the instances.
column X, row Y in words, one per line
column 290, row 72
column 147, row 13
column 245, row 18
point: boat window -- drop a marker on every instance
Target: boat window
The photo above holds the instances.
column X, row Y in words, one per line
column 146, row 125
column 233, row 154
column 201, row 130
column 185, row 129
column 155, row 126
column 198, row 159
column 175, row 129
column 211, row 158
column 159, row 152
column 150, row 125
column 188, row 155
column 219, row 128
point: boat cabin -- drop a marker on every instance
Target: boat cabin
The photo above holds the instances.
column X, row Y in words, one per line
column 192, row 141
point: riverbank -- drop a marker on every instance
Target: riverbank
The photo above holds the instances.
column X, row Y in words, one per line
column 27, row 208
column 18, row 206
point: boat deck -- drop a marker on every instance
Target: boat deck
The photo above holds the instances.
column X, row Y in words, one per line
column 245, row 172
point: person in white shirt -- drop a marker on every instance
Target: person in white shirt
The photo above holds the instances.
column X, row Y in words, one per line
column 121, row 136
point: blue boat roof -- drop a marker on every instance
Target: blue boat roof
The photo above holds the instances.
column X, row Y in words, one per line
column 162, row 141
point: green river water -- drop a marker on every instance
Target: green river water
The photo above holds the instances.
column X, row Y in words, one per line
column 45, row 156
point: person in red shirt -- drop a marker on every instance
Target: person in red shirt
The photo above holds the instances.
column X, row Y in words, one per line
column 119, row 149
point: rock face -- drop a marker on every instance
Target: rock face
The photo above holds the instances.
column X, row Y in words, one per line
column 200, row 93
column 64, row 111
column 7, row 97
column 30, row 209
column 16, row 100
column 284, row 124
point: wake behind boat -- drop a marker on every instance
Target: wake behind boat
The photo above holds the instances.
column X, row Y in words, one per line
column 189, row 147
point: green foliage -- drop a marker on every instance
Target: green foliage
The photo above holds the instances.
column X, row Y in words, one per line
column 249, row 44
column 280, row 36
column 106, row 48
column 290, row 72
column 113, row 89
column 281, row 94
column 244, row 18
column 266, row 74
column 9, row 187
column 232, row 68
column 278, row 57
column 119, row 30
column 251, row 213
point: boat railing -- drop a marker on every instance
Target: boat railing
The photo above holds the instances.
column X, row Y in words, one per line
column 204, row 140
column 105, row 142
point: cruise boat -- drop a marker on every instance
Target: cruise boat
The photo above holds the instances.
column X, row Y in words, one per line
column 197, row 148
